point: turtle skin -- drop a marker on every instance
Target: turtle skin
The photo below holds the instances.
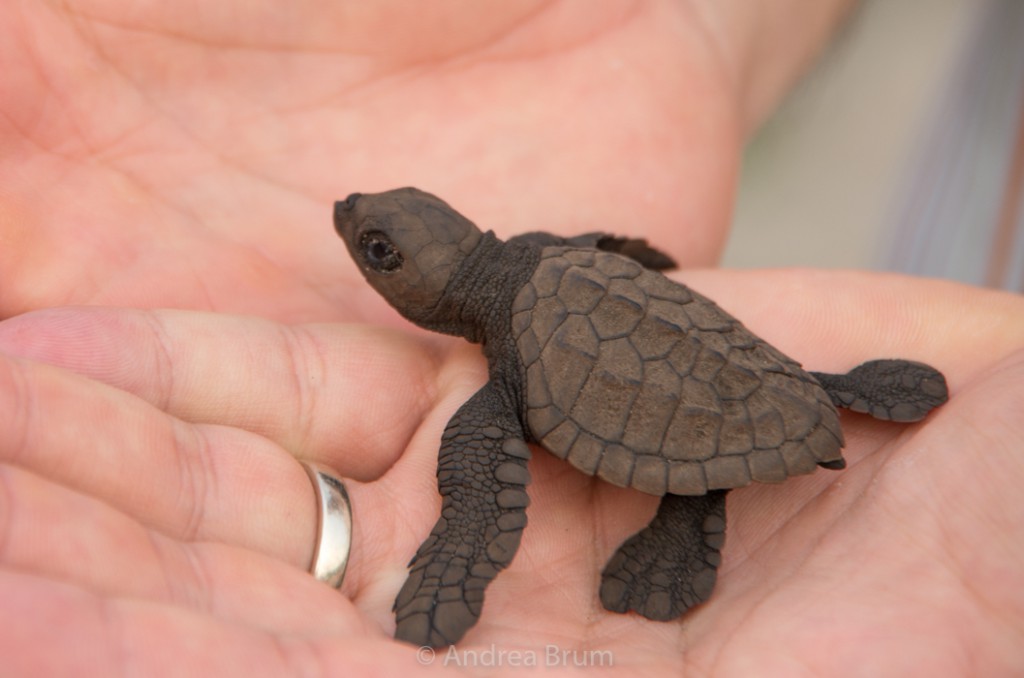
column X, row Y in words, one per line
column 601, row 360
column 650, row 385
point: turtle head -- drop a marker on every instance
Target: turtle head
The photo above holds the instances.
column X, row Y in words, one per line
column 408, row 245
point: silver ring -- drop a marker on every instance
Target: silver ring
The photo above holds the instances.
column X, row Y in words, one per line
column 334, row 526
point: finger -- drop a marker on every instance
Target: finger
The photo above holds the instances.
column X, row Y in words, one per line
column 208, row 483
column 58, row 534
column 192, row 482
column 832, row 320
column 348, row 395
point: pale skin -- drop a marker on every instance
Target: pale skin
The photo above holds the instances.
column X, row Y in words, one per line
column 153, row 518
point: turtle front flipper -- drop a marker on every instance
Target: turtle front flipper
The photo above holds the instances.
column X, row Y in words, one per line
column 482, row 478
column 671, row 565
column 892, row 390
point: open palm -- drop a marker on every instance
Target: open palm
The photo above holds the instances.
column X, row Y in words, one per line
column 167, row 155
column 152, row 514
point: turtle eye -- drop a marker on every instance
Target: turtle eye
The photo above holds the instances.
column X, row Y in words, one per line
column 380, row 253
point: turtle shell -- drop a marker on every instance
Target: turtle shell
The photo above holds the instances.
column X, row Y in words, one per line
column 644, row 382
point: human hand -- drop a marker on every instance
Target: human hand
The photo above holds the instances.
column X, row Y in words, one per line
column 164, row 155
column 158, row 522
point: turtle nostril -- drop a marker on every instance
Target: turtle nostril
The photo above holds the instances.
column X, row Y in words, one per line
column 344, row 213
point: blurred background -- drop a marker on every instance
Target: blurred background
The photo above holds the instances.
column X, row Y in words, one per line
column 903, row 150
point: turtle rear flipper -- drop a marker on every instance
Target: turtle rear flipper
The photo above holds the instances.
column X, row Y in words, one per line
column 671, row 565
column 891, row 390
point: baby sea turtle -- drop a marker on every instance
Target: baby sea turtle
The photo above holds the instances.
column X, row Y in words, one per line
column 600, row 359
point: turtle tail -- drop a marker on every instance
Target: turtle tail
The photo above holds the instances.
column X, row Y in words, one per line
column 891, row 390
